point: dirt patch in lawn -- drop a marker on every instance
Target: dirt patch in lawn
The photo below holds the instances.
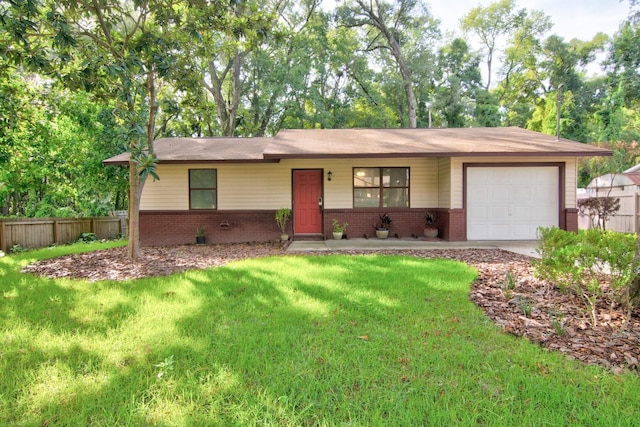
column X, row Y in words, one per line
column 505, row 290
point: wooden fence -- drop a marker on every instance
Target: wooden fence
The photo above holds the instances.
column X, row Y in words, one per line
column 42, row 232
column 627, row 219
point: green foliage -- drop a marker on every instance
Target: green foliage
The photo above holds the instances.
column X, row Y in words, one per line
column 166, row 367
column 87, row 238
column 525, row 305
column 384, row 221
column 52, row 152
column 509, row 284
column 282, row 217
column 558, row 321
column 339, row 228
column 580, row 263
column 17, row 249
column 250, row 68
column 625, row 155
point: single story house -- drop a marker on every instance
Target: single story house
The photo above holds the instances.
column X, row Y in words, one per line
column 482, row 183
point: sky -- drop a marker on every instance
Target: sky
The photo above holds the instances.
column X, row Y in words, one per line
column 580, row 19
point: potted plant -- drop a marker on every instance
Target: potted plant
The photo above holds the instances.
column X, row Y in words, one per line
column 339, row 229
column 282, row 217
column 200, row 235
column 382, row 231
column 430, row 227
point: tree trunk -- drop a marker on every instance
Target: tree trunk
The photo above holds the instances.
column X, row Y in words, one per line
column 377, row 20
column 136, row 181
column 133, row 225
column 227, row 109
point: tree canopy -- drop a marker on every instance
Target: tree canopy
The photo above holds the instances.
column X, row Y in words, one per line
column 81, row 81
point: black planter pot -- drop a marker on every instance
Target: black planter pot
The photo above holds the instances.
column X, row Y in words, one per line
column 200, row 240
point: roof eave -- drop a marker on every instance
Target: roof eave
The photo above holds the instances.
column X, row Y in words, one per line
column 191, row 162
column 306, row 156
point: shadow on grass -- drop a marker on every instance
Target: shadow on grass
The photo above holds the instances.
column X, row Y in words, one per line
column 301, row 340
column 62, row 360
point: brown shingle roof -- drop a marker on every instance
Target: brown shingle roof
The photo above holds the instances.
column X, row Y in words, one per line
column 361, row 143
column 511, row 141
column 196, row 150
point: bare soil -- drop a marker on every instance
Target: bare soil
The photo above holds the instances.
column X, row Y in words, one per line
column 533, row 309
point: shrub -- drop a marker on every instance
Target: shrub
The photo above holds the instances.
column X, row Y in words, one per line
column 87, row 238
column 17, row 249
column 282, row 217
column 580, row 263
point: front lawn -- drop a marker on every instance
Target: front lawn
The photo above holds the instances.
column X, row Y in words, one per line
column 283, row 341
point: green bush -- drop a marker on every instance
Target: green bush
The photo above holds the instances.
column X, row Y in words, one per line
column 87, row 237
column 580, row 263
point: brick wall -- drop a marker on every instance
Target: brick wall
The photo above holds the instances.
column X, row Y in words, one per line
column 159, row 228
column 179, row 227
column 405, row 223
column 571, row 220
column 455, row 228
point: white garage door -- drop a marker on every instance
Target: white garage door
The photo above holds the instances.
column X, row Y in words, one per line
column 510, row 203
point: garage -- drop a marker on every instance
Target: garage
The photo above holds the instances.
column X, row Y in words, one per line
column 511, row 202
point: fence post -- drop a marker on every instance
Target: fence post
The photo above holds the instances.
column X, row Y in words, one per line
column 3, row 237
column 636, row 223
column 55, row 232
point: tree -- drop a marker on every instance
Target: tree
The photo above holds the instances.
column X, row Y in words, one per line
column 52, row 143
column 459, row 79
column 114, row 49
column 386, row 26
column 490, row 23
column 223, row 53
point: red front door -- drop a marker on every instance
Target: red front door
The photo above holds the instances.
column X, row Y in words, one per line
column 307, row 201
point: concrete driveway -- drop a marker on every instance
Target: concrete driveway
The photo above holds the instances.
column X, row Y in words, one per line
column 524, row 247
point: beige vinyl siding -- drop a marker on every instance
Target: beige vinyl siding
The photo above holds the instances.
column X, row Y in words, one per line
column 171, row 192
column 457, row 172
column 571, row 191
column 251, row 186
column 444, row 182
column 254, row 186
column 240, row 186
column 338, row 194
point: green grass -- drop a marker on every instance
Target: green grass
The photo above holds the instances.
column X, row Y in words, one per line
column 283, row 341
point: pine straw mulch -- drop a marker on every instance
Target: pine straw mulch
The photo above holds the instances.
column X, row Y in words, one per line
column 533, row 309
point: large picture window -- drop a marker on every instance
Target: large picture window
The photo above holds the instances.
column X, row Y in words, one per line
column 380, row 187
column 203, row 189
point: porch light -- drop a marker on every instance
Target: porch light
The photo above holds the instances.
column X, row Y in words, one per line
column 329, row 176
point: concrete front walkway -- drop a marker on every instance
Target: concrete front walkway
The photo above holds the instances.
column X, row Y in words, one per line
column 527, row 247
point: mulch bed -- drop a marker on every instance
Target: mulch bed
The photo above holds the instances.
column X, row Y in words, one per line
column 533, row 309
